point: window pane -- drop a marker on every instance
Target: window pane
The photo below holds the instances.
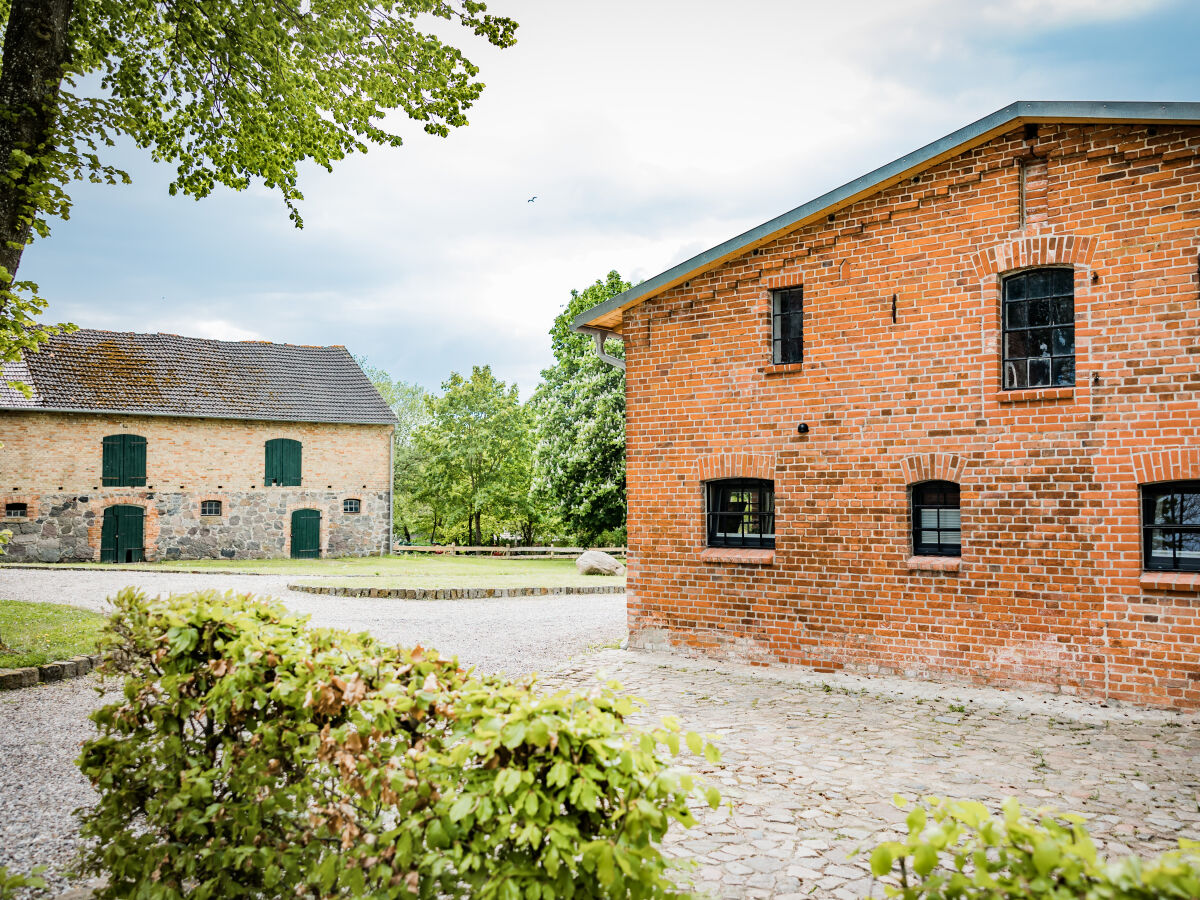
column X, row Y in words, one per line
column 790, row 302
column 1017, row 345
column 953, row 537
column 1014, row 375
column 929, row 537
column 1189, row 545
column 950, row 518
column 1039, row 372
column 1189, row 508
column 1166, row 510
column 1018, row 315
column 1162, row 544
column 1039, row 342
column 1014, row 288
column 1039, row 283
column 1039, row 312
column 1064, row 370
column 1064, row 311
column 1064, row 341
column 1062, row 281
column 929, row 518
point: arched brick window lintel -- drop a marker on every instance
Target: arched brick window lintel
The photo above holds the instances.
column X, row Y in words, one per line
column 921, row 467
column 736, row 465
column 1168, row 464
column 1034, row 250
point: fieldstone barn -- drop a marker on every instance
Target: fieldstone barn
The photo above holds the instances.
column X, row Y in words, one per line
column 154, row 446
column 943, row 420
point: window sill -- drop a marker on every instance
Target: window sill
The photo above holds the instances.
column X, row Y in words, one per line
column 1031, row 394
column 1171, row 581
column 738, row 555
column 783, row 368
column 934, row 563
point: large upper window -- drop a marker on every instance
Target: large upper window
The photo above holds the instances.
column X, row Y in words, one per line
column 936, row 519
column 1171, row 525
column 283, row 462
column 124, row 461
column 787, row 325
column 741, row 513
column 1039, row 329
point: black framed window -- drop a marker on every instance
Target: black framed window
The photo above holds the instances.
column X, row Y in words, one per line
column 936, row 519
column 352, row 505
column 1039, row 328
column 787, row 325
column 1171, row 526
column 741, row 513
column 210, row 507
column 16, row 510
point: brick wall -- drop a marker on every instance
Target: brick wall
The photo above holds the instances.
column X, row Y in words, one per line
column 51, row 462
column 1050, row 588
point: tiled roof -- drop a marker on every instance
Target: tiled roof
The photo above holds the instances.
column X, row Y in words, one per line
column 166, row 374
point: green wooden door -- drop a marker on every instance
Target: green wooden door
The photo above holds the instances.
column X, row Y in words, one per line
column 306, row 534
column 121, row 535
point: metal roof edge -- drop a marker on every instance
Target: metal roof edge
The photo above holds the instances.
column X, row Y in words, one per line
column 182, row 415
column 979, row 131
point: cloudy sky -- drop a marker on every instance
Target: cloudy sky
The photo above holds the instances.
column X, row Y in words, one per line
column 648, row 130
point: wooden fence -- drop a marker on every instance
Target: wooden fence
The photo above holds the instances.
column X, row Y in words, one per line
column 508, row 552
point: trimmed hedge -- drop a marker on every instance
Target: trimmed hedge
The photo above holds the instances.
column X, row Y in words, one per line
column 957, row 849
column 253, row 756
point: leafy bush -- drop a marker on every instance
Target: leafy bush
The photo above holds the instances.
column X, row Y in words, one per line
column 957, row 849
column 252, row 756
column 10, row 882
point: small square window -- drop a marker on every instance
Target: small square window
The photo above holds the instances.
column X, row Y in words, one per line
column 15, row 510
column 352, row 506
column 210, row 507
column 1171, row 526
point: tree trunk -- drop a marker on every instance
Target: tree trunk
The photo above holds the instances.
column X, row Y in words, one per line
column 36, row 53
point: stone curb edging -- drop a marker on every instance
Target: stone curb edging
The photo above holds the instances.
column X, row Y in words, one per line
column 451, row 593
column 28, row 676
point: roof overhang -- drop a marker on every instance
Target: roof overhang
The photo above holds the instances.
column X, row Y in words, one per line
column 607, row 315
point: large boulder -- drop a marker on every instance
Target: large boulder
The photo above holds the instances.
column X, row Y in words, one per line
column 593, row 562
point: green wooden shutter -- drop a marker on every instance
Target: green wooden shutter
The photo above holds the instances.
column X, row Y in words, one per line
column 133, row 472
column 273, row 473
column 291, row 462
column 110, row 467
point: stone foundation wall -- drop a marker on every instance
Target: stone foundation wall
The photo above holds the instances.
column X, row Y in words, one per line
column 65, row 527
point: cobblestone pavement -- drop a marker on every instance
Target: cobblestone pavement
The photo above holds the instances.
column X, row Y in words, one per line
column 810, row 764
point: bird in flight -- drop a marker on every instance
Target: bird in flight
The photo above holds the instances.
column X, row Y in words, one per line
column 531, row 199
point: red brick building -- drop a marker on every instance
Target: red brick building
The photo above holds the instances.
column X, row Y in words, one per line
column 943, row 420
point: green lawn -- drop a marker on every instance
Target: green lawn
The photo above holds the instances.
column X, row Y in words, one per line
column 37, row 633
column 415, row 570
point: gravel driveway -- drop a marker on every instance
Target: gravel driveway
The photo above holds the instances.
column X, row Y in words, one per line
column 41, row 728
column 518, row 635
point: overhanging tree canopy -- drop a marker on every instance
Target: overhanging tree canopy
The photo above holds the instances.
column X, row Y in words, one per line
column 228, row 91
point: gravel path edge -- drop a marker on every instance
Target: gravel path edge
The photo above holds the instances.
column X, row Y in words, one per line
column 452, row 593
column 59, row 670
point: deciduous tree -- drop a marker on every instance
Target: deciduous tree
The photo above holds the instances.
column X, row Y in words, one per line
column 473, row 445
column 579, row 457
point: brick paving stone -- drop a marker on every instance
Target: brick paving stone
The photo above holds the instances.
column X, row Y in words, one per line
column 810, row 764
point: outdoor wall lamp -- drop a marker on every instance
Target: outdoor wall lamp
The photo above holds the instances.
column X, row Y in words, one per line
column 802, row 428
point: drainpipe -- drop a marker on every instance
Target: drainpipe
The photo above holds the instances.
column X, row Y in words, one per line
column 600, row 335
column 391, row 527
